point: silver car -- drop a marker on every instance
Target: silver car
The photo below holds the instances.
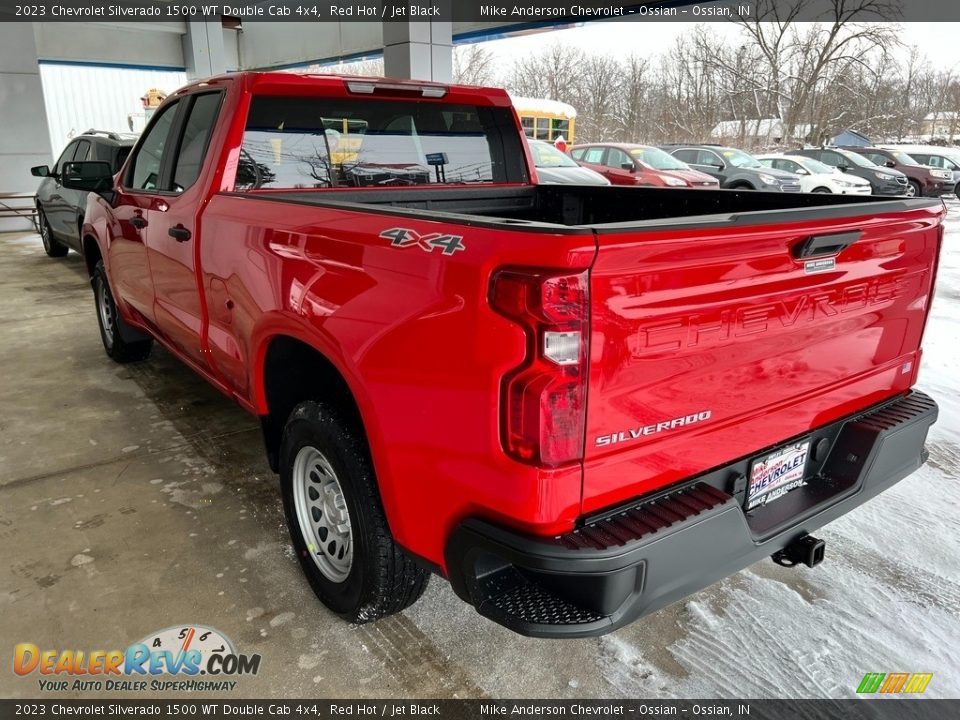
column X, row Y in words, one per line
column 555, row 168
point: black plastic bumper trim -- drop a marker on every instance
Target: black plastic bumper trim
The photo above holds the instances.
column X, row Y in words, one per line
column 641, row 557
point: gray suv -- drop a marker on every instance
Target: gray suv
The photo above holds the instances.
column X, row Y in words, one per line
column 60, row 209
column 734, row 168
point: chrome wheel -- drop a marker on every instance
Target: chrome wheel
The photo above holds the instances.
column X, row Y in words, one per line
column 322, row 514
column 911, row 190
column 105, row 309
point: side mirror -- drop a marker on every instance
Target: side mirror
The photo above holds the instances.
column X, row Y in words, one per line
column 801, row 171
column 87, row 176
column 890, row 164
column 628, row 166
column 718, row 165
column 40, row 171
column 843, row 168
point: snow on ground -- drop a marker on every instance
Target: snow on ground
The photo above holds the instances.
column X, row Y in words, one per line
column 886, row 600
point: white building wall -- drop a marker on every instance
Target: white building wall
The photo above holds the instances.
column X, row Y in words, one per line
column 81, row 97
column 24, row 139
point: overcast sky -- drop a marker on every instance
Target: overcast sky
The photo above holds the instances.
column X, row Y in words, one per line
column 939, row 41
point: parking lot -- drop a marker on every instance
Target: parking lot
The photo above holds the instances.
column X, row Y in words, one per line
column 136, row 498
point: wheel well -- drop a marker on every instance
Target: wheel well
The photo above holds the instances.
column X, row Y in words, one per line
column 91, row 253
column 293, row 372
column 822, row 188
column 741, row 185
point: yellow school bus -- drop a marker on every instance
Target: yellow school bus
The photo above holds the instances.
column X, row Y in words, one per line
column 546, row 119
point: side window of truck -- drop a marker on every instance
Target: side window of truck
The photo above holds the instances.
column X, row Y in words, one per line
column 196, row 138
column 144, row 172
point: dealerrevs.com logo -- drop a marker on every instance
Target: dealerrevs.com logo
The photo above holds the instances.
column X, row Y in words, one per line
column 179, row 658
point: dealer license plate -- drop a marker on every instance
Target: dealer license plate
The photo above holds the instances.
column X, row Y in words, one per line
column 776, row 474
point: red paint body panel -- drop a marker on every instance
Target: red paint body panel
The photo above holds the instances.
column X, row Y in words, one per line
column 413, row 335
column 726, row 320
column 683, row 320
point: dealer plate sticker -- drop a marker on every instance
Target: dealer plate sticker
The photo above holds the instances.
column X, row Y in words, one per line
column 778, row 473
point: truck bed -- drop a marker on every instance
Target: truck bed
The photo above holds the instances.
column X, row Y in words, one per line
column 700, row 306
column 570, row 208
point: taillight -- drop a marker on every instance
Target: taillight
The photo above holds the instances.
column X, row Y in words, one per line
column 543, row 401
column 933, row 281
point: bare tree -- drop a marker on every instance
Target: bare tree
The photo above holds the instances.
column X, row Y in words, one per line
column 800, row 58
column 600, row 84
column 473, row 65
column 554, row 74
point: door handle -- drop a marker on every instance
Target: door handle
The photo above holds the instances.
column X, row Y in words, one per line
column 179, row 233
column 138, row 222
column 830, row 244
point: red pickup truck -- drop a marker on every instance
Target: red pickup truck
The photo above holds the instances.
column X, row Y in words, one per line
column 577, row 404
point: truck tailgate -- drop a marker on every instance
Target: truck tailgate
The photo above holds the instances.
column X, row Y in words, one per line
column 711, row 341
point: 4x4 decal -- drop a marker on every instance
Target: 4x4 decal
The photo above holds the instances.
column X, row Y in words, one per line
column 405, row 237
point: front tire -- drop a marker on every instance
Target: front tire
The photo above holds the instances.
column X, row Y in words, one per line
column 51, row 246
column 822, row 190
column 336, row 520
column 913, row 189
column 111, row 325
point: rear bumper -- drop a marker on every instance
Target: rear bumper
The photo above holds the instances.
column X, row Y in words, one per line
column 636, row 559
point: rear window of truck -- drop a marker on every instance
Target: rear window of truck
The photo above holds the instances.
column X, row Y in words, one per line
column 305, row 142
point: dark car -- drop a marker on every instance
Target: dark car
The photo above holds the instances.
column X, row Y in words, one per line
column 923, row 181
column 59, row 209
column 632, row 164
column 943, row 158
column 883, row 180
column 734, row 168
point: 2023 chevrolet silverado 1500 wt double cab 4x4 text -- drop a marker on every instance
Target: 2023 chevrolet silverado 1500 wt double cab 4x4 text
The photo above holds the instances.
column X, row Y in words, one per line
column 577, row 404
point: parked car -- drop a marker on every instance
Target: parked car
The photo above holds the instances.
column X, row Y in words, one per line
column 815, row 177
column 60, row 209
column 418, row 329
column 923, row 180
column 630, row 164
column 555, row 167
column 734, row 169
column 943, row 158
column 883, row 180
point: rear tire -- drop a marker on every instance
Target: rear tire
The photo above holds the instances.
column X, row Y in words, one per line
column 51, row 246
column 336, row 520
column 112, row 327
